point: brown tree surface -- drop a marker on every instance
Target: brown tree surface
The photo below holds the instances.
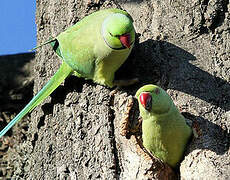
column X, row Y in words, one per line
column 182, row 46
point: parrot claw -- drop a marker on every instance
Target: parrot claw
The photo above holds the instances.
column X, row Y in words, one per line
column 130, row 127
column 113, row 92
column 197, row 132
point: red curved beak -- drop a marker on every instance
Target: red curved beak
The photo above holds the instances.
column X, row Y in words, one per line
column 146, row 100
column 125, row 40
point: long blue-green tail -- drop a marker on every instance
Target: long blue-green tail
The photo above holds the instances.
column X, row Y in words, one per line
column 64, row 71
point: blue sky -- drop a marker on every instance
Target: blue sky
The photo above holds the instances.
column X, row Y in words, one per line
column 17, row 28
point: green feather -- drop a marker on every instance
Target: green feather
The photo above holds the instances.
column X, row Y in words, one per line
column 164, row 130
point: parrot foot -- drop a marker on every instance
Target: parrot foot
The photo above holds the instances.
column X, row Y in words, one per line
column 193, row 123
column 113, row 92
column 127, row 82
column 197, row 132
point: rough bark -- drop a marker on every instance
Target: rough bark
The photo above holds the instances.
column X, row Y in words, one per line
column 16, row 89
column 183, row 46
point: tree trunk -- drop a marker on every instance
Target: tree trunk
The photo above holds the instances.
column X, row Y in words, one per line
column 183, row 46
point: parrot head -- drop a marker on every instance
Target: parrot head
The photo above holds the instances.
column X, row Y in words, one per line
column 118, row 31
column 153, row 99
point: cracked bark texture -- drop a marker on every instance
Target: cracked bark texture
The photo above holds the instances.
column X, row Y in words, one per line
column 182, row 46
column 16, row 89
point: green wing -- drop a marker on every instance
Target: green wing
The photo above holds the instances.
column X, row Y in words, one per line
column 77, row 48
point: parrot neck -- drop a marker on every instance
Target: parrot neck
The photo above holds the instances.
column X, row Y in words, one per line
column 107, row 43
column 158, row 116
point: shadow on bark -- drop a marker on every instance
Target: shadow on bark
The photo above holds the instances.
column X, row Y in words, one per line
column 165, row 64
column 211, row 136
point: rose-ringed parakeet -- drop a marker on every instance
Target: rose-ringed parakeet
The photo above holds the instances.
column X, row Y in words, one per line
column 164, row 130
column 94, row 48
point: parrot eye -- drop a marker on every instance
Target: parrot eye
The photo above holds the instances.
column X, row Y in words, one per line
column 113, row 35
column 149, row 104
column 157, row 91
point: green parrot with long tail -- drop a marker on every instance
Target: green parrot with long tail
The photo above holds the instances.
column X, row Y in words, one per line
column 94, row 48
column 164, row 130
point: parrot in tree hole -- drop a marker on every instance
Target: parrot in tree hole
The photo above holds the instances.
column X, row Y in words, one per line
column 164, row 130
